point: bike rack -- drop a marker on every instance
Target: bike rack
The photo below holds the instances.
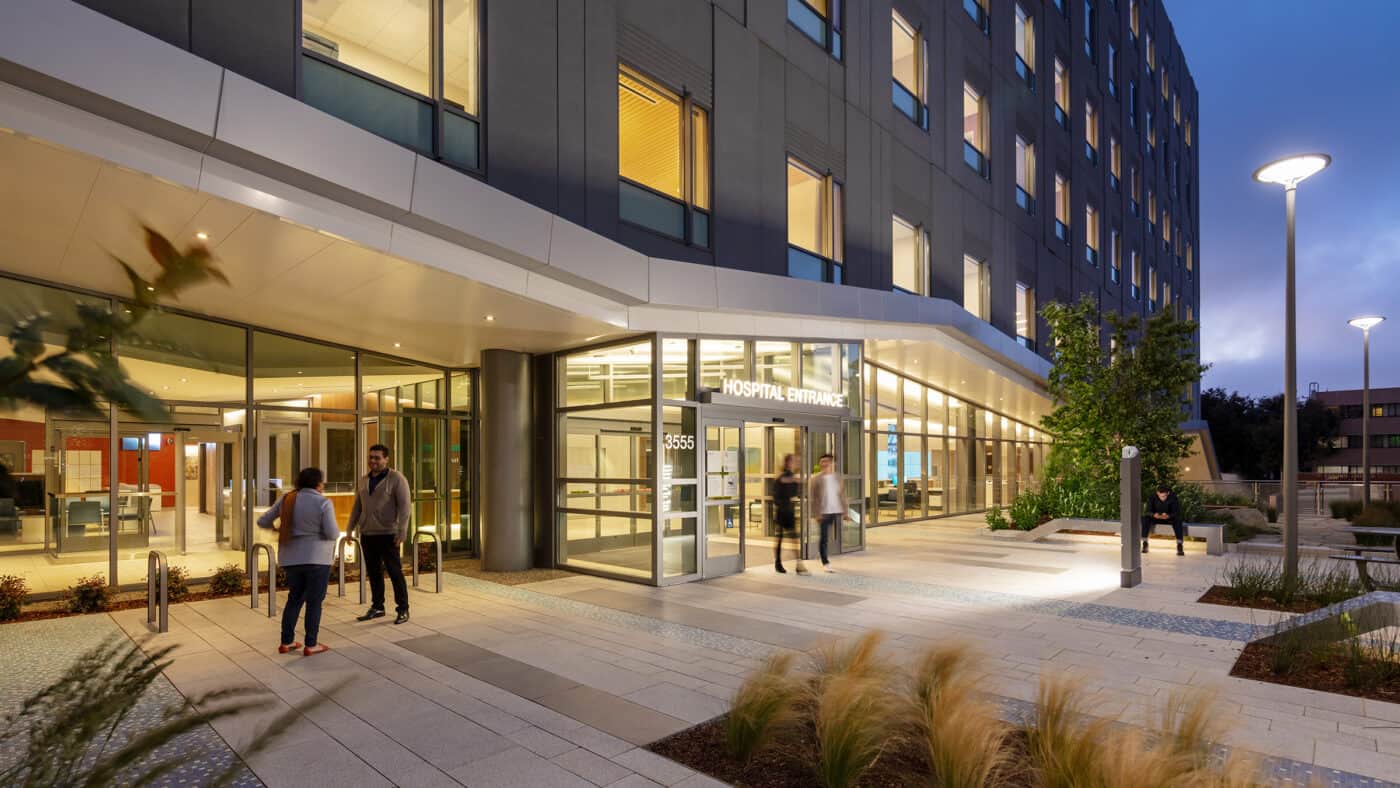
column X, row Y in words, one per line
column 271, row 576
column 417, row 537
column 156, row 560
column 359, row 560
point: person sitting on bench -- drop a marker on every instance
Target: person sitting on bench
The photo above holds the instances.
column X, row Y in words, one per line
column 1163, row 507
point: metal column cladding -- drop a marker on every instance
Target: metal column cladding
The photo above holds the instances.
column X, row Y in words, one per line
column 507, row 427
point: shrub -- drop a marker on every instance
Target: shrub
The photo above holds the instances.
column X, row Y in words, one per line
column 177, row 582
column 13, row 590
column 1344, row 510
column 1271, row 514
column 1025, row 510
column 1378, row 514
column 860, row 658
column 996, row 521
column 1064, row 743
column 427, row 557
column 964, row 740
column 228, row 579
column 88, row 595
column 765, row 706
column 853, row 725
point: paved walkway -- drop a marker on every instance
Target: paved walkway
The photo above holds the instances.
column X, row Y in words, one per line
column 557, row 683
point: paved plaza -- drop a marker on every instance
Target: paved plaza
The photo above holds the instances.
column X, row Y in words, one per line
column 561, row 682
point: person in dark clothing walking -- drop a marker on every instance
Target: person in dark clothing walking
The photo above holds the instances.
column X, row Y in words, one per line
column 306, row 536
column 379, row 519
column 1163, row 507
column 786, row 488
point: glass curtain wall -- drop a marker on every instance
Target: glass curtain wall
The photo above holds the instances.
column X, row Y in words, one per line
column 245, row 411
column 932, row 454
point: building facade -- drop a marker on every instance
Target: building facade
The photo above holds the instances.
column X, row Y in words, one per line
column 591, row 269
column 1345, row 460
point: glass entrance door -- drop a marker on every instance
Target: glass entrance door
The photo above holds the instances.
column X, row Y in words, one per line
column 819, row 441
column 765, row 446
column 724, row 522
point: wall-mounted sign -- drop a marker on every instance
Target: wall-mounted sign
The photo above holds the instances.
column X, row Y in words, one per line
column 770, row 391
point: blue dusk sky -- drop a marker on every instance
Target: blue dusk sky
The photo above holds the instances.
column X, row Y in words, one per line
column 1290, row 76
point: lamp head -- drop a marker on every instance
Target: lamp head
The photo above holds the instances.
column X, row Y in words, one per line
column 1366, row 323
column 1291, row 171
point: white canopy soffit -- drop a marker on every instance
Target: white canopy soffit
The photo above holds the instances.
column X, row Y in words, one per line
column 331, row 232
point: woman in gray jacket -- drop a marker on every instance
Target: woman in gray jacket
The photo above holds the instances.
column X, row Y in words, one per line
column 304, row 550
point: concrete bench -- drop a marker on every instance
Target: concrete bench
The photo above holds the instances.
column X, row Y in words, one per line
column 1361, row 561
column 1213, row 533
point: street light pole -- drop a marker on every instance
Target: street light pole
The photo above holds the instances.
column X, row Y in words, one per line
column 1289, row 173
column 1366, row 324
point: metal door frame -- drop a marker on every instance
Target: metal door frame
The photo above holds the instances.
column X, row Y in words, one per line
column 739, row 561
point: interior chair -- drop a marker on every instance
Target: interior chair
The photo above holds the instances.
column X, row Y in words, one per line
column 81, row 514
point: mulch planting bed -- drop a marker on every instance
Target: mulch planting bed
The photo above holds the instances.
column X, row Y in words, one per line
column 42, row 611
column 1220, row 595
column 1326, row 675
column 790, row 765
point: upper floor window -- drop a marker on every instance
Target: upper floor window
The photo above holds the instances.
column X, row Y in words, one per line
column 1135, row 190
column 820, row 20
column 1025, row 46
column 1115, row 162
column 1133, row 17
column 975, row 130
column 1091, row 235
column 1190, row 260
column 908, row 57
column 663, row 159
column 1091, row 131
column 977, row 9
column 1061, row 208
column 1187, row 130
column 816, row 233
column 910, row 257
column 1132, row 103
column 1151, row 132
column 398, row 71
column 1115, row 256
column 976, row 287
column 1166, row 229
column 1025, row 174
column 1025, row 315
column 1176, row 108
column 1151, row 53
column 1112, row 70
column 1135, row 272
column 1061, row 94
column 1166, row 90
column 1152, row 291
column 1090, row 22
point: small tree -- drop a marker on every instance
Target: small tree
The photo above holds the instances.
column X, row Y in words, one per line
column 1129, row 395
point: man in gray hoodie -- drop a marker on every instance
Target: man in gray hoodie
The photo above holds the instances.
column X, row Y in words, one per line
column 383, row 506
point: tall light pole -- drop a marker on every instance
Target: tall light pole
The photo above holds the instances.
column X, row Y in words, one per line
column 1289, row 172
column 1366, row 324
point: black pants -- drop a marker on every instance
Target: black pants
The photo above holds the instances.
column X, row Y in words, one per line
column 1149, row 524
column 306, row 583
column 786, row 522
column 829, row 524
column 381, row 554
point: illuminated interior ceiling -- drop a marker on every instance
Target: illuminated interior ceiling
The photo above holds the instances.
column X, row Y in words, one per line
column 63, row 214
column 963, row 375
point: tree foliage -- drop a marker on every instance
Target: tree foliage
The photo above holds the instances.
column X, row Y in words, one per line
column 1130, row 395
column 1248, row 432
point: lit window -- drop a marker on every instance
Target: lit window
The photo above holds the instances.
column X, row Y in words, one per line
column 1025, row 46
column 1152, row 292
column 1188, row 131
column 1091, row 235
column 1135, row 271
column 1025, row 315
column 1176, row 108
column 1151, row 54
column 819, row 20
column 1152, row 208
column 662, row 159
column 1115, row 256
column 1115, row 161
column 1190, row 259
column 977, row 9
column 1091, row 131
column 974, row 129
column 1061, row 93
column 1165, row 87
column 1166, row 227
column 1133, row 16
column 907, row 67
column 1061, row 208
column 910, row 254
column 815, row 232
column 1025, row 174
column 975, row 287
column 1190, row 313
column 1151, row 132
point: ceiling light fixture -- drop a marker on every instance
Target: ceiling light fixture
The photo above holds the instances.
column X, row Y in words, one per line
column 490, row 318
column 201, row 235
column 397, row 345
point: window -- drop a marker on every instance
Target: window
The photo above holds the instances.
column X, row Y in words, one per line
column 1025, row 47
column 1091, row 132
column 1188, row 131
column 975, row 287
column 1165, row 89
column 1151, row 132
column 1151, row 54
column 1151, row 213
column 1176, row 108
column 1115, row 162
column 819, row 20
column 1135, row 270
column 1025, row 315
column 1152, row 293
column 375, row 65
column 1133, row 17
column 1061, row 94
column 1062, row 208
column 1167, row 295
column 1115, row 256
column 1190, row 313
column 1166, row 230
column 1091, row 235
column 1132, row 103
column 1190, row 260
column 663, row 160
column 910, row 254
column 977, row 9
column 974, row 130
column 1112, row 70
column 815, row 217
column 1090, row 22
column 1135, row 193
column 908, row 55
column 1025, row 174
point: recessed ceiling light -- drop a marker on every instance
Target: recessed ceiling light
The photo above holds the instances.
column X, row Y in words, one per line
column 184, row 380
column 152, row 289
column 164, row 388
column 490, row 318
column 201, row 235
column 299, row 372
column 397, row 345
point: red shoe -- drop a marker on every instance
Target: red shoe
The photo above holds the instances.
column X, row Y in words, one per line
column 313, row 650
column 289, row 648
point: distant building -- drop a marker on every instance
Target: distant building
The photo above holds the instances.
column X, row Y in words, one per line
column 1385, row 433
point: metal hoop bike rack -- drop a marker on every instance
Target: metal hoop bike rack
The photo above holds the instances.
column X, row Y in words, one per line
column 271, row 577
column 340, row 559
column 157, row 593
column 418, row 536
